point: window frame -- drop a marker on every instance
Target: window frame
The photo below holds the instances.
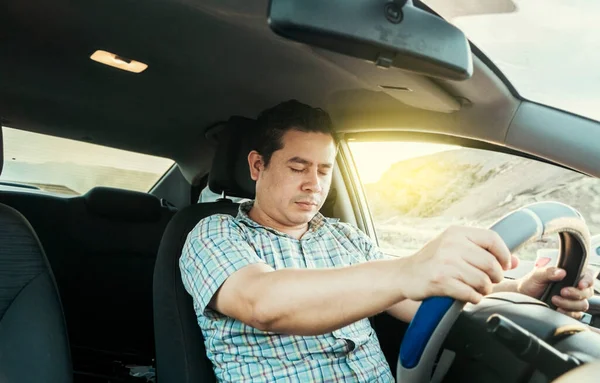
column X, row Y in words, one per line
column 354, row 189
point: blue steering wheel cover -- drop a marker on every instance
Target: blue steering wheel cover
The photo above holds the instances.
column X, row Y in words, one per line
column 420, row 329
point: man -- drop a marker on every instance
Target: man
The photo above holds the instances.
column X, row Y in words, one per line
column 282, row 292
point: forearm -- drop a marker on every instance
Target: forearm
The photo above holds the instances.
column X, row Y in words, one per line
column 404, row 310
column 316, row 301
column 507, row 285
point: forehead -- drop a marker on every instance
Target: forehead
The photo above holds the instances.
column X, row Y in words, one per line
column 307, row 141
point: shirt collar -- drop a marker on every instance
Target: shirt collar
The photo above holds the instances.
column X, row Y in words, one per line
column 317, row 222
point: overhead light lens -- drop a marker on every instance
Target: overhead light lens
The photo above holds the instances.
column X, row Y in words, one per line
column 117, row 61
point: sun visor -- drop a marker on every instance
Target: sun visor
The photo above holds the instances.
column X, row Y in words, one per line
column 409, row 88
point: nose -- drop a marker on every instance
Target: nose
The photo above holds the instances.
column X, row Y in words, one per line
column 312, row 182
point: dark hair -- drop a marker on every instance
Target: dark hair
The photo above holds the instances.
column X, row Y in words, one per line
column 273, row 123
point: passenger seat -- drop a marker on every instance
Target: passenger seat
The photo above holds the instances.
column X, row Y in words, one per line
column 34, row 344
column 113, row 238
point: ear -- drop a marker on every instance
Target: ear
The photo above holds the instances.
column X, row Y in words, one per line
column 255, row 162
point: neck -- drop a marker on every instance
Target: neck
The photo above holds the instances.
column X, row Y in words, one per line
column 261, row 217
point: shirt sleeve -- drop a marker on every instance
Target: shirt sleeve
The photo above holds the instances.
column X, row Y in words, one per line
column 215, row 249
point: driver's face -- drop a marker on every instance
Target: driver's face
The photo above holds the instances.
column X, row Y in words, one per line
column 292, row 189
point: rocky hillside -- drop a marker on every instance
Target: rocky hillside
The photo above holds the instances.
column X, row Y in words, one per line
column 418, row 198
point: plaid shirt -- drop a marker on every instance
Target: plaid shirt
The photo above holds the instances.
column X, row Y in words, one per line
column 220, row 245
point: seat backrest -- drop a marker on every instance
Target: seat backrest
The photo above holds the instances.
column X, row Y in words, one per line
column 180, row 352
column 113, row 237
column 34, row 345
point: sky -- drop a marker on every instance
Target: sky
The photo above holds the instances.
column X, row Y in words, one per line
column 548, row 49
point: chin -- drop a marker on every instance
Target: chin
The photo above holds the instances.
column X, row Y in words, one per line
column 302, row 218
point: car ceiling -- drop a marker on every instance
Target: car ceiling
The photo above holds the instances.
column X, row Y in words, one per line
column 208, row 60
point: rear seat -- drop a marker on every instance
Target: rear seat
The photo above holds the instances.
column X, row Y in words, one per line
column 114, row 239
column 102, row 247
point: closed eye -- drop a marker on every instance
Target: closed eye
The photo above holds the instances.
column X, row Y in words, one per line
column 297, row 170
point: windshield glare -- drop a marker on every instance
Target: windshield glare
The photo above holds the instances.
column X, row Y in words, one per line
column 548, row 49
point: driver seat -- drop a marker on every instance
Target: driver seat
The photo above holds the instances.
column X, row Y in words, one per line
column 34, row 346
column 180, row 353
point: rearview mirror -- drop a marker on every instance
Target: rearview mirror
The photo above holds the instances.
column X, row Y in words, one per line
column 388, row 33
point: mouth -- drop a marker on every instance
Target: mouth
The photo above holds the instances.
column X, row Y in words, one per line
column 307, row 205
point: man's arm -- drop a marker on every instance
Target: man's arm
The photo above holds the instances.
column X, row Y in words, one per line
column 461, row 263
column 507, row 286
column 405, row 310
column 309, row 301
column 223, row 272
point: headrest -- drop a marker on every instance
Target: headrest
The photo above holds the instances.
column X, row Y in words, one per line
column 230, row 173
column 123, row 205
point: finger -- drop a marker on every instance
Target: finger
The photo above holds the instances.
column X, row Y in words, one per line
column 570, row 305
column 491, row 241
column 475, row 278
column 573, row 314
column 485, row 262
column 514, row 261
column 462, row 292
column 574, row 293
column 547, row 274
column 587, row 280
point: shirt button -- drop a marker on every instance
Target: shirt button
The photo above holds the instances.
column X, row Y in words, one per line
column 351, row 345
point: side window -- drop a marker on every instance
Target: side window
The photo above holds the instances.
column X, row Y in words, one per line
column 416, row 190
column 68, row 167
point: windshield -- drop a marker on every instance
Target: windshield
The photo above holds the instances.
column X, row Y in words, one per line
column 548, row 49
column 416, row 190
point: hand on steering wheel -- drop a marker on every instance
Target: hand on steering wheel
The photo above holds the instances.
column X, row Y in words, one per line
column 437, row 314
column 462, row 263
column 572, row 301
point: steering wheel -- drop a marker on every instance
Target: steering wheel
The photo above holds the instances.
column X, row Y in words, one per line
column 436, row 315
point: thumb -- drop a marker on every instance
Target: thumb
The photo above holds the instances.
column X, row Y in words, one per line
column 544, row 275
